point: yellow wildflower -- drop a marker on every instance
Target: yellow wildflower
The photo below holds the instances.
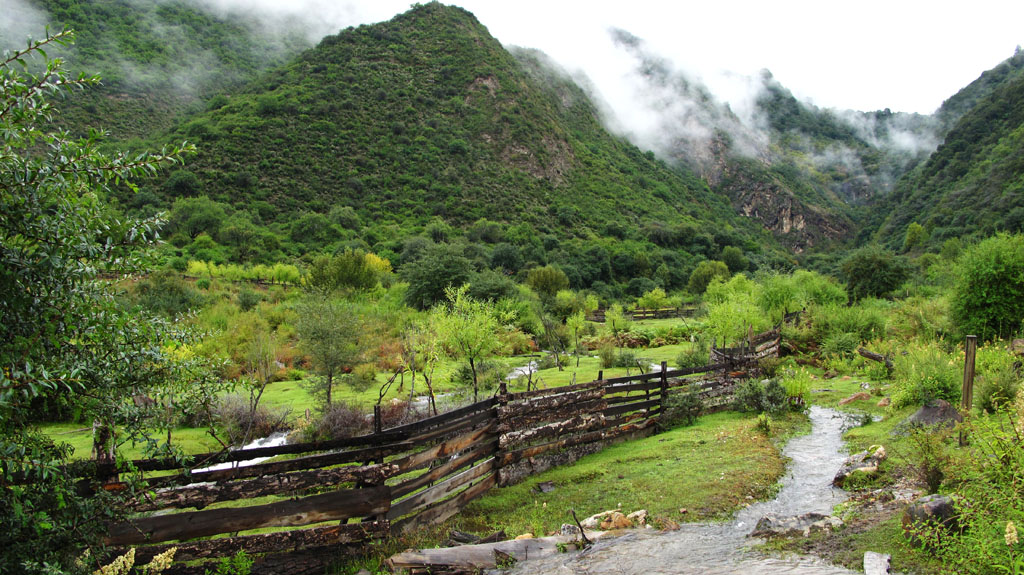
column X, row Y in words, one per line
column 160, row 562
column 120, row 566
column 1011, row 534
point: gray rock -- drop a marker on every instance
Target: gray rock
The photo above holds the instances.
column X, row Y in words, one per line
column 864, row 462
column 934, row 413
column 876, row 563
column 570, row 530
column 796, row 526
column 934, row 509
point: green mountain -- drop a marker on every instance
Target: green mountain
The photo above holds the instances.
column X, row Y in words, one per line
column 159, row 59
column 797, row 170
column 383, row 131
column 973, row 185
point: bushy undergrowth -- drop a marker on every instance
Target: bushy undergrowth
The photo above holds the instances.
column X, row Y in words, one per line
column 865, row 320
column 682, row 408
column 240, row 423
column 753, row 396
column 339, row 420
column 987, row 477
column 925, row 373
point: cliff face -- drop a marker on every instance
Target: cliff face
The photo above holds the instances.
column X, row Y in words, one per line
column 795, row 224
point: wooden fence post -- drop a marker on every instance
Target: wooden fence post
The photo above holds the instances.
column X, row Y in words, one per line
column 967, row 392
column 378, row 425
column 664, row 388
column 600, row 374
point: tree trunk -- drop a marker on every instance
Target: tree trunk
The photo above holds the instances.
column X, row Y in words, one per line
column 472, row 367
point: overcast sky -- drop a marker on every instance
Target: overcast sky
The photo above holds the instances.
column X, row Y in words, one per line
column 865, row 55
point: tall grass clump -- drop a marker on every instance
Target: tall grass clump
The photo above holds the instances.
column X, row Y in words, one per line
column 866, row 320
column 925, row 373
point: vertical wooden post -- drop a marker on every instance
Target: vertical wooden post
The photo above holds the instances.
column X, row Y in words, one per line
column 600, row 374
column 378, row 425
column 967, row 392
column 664, row 388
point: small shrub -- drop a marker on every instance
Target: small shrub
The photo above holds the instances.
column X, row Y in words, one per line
column 929, row 456
column 607, row 355
column 237, row 564
column 764, row 424
column 776, row 398
column 769, row 366
column 248, row 299
column 996, row 391
column 840, row 344
column 338, row 421
column 203, row 283
column 749, row 397
column 240, row 423
column 625, row 358
column 753, row 396
column 924, row 374
column 682, row 409
column 693, row 357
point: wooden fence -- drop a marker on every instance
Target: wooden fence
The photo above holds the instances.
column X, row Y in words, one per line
column 598, row 315
column 323, row 499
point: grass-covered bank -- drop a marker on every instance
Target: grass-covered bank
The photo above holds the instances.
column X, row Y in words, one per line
column 709, row 469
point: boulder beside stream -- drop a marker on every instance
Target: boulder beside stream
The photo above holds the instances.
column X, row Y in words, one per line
column 866, row 462
column 930, row 509
column 795, row 526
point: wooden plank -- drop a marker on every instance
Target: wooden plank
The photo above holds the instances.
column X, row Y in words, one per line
column 556, row 390
column 438, row 492
column 512, row 457
column 396, row 434
column 632, row 398
column 481, row 451
column 653, row 383
column 578, row 423
column 444, row 418
column 333, row 506
column 283, row 541
column 446, row 448
column 632, row 378
column 538, row 404
column 447, row 509
column 468, row 422
column 563, row 412
column 629, row 407
column 201, row 495
column 298, row 463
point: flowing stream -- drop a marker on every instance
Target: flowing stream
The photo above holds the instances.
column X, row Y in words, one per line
column 723, row 548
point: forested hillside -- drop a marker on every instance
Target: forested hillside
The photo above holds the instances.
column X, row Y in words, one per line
column 973, row 185
column 426, row 121
column 158, row 60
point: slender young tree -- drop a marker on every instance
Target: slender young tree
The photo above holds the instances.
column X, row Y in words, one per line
column 470, row 328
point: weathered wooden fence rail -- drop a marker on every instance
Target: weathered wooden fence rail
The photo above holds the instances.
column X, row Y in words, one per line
column 326, row 498
column 598, row 315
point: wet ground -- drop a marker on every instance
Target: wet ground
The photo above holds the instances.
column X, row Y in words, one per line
column 724, row 548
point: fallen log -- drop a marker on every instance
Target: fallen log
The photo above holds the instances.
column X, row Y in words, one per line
column 876, row 357
column 475, row 558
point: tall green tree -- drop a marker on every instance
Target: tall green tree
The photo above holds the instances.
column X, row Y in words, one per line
column 331, row 332
column 988, row 297
column 470, row 328
column 66, row 340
